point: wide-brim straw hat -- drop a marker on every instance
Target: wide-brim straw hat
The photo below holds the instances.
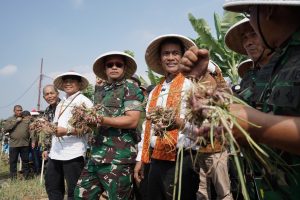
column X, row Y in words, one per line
column 242, row 5
column 152, row 55
column 58, row 81
column 233, row 37
column 244, row 66
column 99, row 65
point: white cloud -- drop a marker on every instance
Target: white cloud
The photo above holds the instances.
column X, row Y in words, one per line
column 8, row 70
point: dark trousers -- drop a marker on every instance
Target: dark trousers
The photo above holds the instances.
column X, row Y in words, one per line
column 13, row 160
column 162, row 175
column 141, row 191
column 57, row 172
column 36, row 159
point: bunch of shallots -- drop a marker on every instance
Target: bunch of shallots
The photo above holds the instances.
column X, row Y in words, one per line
column 162, row 119
column 204, row 106
column 42, row 130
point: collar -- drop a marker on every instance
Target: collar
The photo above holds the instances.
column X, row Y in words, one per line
column 72, row 96
column 109, row 86
column 54, row 106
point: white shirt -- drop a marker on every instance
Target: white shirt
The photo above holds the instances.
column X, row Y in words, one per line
column 68, row 147
column 182, row 140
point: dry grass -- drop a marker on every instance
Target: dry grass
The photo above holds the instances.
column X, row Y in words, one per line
column 19, row 189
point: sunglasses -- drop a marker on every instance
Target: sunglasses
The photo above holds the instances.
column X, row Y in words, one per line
column 117, row 64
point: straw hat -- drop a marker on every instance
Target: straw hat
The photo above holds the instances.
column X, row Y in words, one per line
column 244, row 66
column 242, row 5
column 152, row 55
column 99, row 68
column 58, row 82
column 233, row 37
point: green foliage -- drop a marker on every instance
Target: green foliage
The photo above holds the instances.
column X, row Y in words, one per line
column 89, row 92
column 129, row 52
column 226, row 59
column 154, row 79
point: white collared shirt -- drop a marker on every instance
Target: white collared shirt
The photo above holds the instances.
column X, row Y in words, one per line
column 182, row 140
column 68, row 147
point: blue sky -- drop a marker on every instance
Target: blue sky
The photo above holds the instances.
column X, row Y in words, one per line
column 70, row 34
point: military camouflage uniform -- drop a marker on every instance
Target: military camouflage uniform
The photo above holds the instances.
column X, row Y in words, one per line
column 110, row 167
column 247, row 84
column 277, row 91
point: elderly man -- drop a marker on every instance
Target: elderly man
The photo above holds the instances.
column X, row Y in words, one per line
column 242, row 39
column 276, row 83
column 18, row 128
column 67, row 149
column 51, row 96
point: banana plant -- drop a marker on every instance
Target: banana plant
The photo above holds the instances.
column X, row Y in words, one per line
column 226, row 59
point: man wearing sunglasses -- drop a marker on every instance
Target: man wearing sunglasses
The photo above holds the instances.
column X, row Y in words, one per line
column 110, row 167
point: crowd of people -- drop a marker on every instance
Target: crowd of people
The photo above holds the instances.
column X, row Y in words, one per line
column 128, row 159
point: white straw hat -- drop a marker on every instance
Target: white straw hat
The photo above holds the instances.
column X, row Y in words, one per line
column 152, row 56
column 244, row 66
column 242, row 5
column 58, row 81
column 233, row 37
column 99, row 67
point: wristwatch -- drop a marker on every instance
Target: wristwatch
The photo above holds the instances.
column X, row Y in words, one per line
column 69, row 131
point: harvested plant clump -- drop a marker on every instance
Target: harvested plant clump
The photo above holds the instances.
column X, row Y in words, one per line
column 85, row 120
column 206, row 111
column 83, row 117
column 42, row 130
column 162, row 119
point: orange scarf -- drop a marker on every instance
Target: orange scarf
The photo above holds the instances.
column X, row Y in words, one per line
column 165, row 149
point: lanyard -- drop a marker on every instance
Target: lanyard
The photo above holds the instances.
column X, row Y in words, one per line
column 62, row 111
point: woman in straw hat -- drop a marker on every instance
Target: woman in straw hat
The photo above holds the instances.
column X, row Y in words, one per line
column 162, row 56
column 113, row 153
column 66, row 158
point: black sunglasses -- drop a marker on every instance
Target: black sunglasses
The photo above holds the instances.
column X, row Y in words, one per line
column 117, row 64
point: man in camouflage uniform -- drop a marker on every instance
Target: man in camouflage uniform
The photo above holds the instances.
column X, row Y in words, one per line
column 277, row 84
column 242, row 39
column 110, row 167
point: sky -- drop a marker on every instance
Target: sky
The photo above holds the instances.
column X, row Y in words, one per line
column 71, row 34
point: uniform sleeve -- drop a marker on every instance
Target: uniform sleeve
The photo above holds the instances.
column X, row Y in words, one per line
column 133, row 98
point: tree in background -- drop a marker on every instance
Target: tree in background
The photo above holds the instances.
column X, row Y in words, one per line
column 226, row 59
column 89, row 92
column 153, row 78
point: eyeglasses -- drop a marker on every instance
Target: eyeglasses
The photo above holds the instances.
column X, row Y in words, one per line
column 117, row 64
